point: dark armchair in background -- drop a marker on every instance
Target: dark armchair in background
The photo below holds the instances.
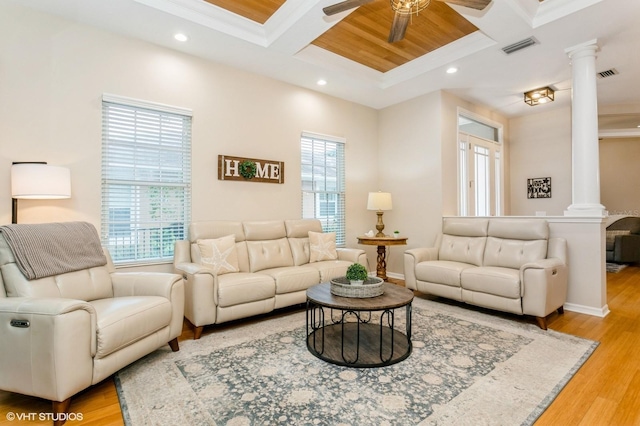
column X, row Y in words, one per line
column 623, row 239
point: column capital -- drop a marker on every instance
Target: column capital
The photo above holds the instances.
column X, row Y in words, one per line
column 588, row 47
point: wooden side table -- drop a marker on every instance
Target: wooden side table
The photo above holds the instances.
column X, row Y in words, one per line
column 382, row 243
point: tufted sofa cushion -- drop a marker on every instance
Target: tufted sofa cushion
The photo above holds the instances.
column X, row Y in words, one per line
column 269, row 254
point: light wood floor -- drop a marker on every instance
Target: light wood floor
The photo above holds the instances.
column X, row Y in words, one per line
column 605, row 391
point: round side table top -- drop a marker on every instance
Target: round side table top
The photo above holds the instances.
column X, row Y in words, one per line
column 382, row 241
column 394, row 297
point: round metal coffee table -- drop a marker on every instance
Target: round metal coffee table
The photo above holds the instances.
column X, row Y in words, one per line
column 356, row 332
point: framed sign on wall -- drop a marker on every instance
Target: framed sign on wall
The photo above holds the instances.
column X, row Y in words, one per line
column 250, row 169
column 539, row 187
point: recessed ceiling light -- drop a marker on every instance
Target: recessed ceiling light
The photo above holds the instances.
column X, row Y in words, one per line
column 322, row 82
column 181, row 37
column 452, row 70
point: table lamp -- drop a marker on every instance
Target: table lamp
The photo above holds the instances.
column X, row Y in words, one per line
column 379, row 201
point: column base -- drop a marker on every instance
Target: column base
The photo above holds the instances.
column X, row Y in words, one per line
column 597, row 210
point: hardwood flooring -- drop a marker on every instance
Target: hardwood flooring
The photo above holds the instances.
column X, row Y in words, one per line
column 605, row 391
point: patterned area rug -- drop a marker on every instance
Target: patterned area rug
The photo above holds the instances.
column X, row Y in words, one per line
column 615, row 267
column 466, row 368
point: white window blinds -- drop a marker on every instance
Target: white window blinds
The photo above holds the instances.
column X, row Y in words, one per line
column 323, row 182
column 146, row 179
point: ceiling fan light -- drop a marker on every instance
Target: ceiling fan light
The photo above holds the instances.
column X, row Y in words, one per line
column 539, row 96
column 408, row 7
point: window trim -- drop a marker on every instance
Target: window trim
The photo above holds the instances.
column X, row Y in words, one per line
column 156, row 107
column 343, row 192
column 498, row 144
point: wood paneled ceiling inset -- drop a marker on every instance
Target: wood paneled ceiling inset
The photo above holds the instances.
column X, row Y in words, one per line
column 256, row 10
column 362, row 35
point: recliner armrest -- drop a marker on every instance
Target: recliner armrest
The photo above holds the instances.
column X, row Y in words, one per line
column 201, row 297
column 169, row 286
column 143, row 283
column 551, row 262
column 411, row 258
column 422, row 254
column 43, row 305
column 191, row 268
column 52, row 357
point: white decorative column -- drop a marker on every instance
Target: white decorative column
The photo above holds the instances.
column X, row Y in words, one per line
column 584, row 132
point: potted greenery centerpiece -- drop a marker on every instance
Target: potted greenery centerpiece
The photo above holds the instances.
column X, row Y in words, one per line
column 356, row 274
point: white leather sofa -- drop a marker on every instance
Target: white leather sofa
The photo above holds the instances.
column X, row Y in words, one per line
column 274, row 269
column 509, row 265
column 63, row 333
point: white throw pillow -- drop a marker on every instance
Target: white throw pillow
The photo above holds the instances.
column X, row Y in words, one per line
column 322, row 246
column 219, row 254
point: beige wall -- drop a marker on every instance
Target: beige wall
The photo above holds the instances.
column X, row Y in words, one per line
column 418, row 165
column 541, row 146
column 620, row 175
column 53, row 74
column 410, row 169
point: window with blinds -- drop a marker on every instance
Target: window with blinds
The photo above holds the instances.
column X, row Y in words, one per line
column 146, row 179
column 323, row 182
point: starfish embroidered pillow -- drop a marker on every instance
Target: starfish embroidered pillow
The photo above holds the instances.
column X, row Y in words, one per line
column 322, row 246
column 219, row 254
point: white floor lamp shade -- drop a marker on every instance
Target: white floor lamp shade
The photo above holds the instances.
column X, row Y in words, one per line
column 38, row 181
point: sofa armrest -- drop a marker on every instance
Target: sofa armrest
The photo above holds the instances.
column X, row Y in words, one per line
column 544, row 286
column 422, row 254
column 411, row 258
column 169, row 286
column 52, row 357
column 352, row 255
column 201, row 298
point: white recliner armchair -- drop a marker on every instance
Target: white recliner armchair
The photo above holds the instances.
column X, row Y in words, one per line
column 63, row 333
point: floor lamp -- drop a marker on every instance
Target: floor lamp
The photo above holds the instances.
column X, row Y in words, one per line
column 38, row 181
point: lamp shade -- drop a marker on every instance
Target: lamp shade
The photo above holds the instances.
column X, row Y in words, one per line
column 40, row 181
column 379, row 201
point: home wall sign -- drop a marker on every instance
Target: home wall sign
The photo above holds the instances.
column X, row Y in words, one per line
column 539, row 187
column 250, row 169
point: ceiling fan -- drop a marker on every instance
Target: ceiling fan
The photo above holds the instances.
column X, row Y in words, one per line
column 403, row 11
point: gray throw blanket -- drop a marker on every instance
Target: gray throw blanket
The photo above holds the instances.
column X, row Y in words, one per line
column 46, row 249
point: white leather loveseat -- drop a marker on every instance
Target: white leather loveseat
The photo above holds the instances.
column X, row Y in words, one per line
column 62, row 333
column 509, row 265
column 266, row 265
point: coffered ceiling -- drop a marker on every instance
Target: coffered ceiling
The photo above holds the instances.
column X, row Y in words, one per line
column 294, row 41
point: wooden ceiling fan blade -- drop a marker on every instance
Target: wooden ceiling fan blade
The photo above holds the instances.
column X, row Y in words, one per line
column 342, row 6
column 473, row 4
column 399, row 27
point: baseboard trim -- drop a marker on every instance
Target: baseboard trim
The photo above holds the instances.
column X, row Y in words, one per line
column 589, row 310
column 395, row 275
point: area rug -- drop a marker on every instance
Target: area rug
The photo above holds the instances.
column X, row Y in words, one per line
column 615, row 267
column 466, row 368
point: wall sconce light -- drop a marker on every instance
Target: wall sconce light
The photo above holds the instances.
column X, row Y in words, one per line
column 539, row 96
column 38, row 181
column 379, row 201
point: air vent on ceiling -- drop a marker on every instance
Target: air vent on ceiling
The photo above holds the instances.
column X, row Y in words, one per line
column 519, row 45
column 607, row 73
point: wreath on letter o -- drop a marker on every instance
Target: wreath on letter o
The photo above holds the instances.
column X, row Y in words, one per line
column 247, row 169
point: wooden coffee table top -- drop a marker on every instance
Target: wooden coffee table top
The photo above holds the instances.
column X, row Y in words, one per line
column 394, row 297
